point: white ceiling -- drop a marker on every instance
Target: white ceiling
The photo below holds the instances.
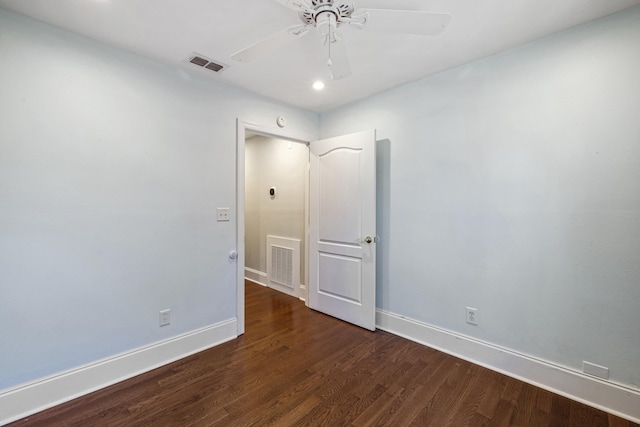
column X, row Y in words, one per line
column 171, row 30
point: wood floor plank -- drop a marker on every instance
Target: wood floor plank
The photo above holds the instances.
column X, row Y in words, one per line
column 560, row 411
column 502, row 415
column 297, row 367
column 419, row 394
column 448, row 399
column 490, row 399
column 469, row 403
column 581, row 415
column 615, row 421
column 365, row 402
column 524, row 406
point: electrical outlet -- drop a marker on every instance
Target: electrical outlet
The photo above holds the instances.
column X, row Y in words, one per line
column 472, row 315
column 223, row 214
column 165, row 317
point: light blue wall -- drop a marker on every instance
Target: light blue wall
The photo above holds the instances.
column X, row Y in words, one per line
column 111, row 168
column 512, row 185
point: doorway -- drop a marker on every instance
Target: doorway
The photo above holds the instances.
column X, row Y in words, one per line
column 341, row 282
column 276, row 214
column 243, row 131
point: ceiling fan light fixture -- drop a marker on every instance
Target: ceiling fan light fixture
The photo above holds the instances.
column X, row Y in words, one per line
column 326, row 22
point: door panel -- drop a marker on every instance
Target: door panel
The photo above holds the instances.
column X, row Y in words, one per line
column 342, row 215
column 339, row 186
column 340, row 277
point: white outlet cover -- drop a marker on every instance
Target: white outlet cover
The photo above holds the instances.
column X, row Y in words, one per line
column 472, row 315
column 165, row 317
column 223, row 214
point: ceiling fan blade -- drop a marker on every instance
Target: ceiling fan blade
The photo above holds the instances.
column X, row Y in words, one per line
column 391, row 4
column 338, row 60
column 294, row 4
column 406, row 21
column 270, row 43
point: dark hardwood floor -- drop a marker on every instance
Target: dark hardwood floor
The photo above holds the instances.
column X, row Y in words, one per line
column 296, row 367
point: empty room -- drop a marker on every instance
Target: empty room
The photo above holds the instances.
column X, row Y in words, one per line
column 462, row 248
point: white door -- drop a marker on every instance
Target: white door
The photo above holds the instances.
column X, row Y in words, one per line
column 342, row 248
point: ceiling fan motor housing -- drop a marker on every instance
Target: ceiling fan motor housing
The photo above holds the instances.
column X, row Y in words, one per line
column 340, row 9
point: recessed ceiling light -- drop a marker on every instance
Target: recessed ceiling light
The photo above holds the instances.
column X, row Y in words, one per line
column 318, row 85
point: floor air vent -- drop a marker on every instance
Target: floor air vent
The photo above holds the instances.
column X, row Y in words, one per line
column 282, row 266
column 204, row 62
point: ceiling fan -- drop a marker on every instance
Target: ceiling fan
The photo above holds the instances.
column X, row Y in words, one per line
column 329, row 16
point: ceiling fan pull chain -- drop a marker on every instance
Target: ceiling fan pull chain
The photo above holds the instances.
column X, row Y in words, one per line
column 329, row 62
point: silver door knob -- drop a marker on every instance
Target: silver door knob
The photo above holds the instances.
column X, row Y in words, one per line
column 368, row 239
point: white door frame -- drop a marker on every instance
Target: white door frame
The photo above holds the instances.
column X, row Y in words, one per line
column 242, row 127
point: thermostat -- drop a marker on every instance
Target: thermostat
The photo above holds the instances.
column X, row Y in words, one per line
column 281, row 121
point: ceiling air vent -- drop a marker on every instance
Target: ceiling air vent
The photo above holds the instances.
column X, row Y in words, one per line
column 204, row 62
column 213, row 67
column 199, row 61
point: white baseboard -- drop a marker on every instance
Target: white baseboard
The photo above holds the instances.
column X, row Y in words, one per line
column 25, row 400
column 260, row 278
column 255, row 276
column 607, row 396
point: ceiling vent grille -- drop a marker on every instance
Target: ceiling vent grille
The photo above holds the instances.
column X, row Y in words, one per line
column 213, row 67
column 204, row 62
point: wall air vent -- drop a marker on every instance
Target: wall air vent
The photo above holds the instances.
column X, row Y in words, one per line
column 204, row 62
column 283, row 264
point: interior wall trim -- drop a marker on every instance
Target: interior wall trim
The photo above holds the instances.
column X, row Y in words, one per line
column 22, row 401
column 255, row 276
column 604, row 395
